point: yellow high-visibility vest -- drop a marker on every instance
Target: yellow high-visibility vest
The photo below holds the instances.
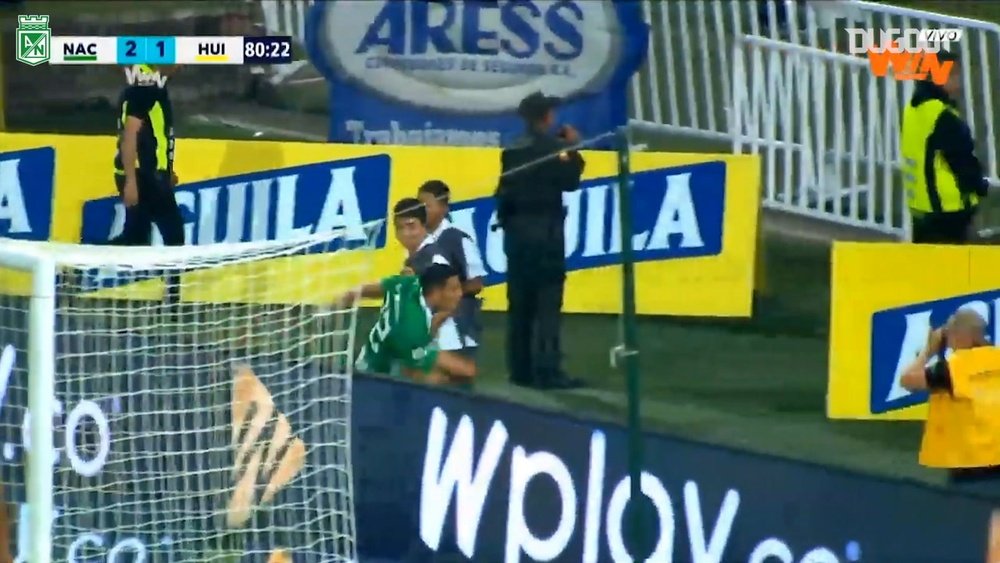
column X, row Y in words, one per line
column 930, row 184
column 963, row 427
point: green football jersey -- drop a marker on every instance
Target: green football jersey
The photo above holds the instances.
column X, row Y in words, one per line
column 402, row 335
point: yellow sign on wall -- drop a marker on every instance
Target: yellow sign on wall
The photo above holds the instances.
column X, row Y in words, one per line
column 695, row 216
column 885, row 299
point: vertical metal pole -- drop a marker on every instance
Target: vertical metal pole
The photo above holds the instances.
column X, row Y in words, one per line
column 627, row 353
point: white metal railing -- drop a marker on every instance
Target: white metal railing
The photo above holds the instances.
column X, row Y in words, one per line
column 686, row 86
column 815, row 163
column 286, row 17
column 828, row 131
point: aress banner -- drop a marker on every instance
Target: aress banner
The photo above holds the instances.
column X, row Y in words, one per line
column 452, row 73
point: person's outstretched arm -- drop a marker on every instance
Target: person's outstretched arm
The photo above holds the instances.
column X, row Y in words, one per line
column 374, row 290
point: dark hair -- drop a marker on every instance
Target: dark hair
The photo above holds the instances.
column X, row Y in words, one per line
column 435, row 276
column 536, row 106
column 409, row 208
column 436, row 188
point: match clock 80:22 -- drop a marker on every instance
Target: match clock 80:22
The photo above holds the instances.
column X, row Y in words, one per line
column 267, row 50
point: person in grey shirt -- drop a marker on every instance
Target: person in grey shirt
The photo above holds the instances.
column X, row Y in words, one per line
column 460, row 250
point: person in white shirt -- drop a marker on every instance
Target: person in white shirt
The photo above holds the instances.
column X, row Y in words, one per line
column 459, row 249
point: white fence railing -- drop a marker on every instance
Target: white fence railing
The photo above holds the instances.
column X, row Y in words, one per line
column 698, row 87
column 828, row 131
column 286, row 17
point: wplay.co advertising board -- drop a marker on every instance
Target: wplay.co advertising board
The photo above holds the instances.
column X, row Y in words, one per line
column 452, row 73
column 694, row 215
column 493, row 481
column 885, row 300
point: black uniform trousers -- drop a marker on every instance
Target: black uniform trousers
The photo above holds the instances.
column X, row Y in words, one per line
column 157, row 206
column 536, row 276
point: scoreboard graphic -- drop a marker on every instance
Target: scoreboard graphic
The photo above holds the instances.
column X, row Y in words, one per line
column 36, row 45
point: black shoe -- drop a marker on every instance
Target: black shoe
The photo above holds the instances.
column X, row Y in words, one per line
column 562, row 383
column 521, row 377
column 523, row 383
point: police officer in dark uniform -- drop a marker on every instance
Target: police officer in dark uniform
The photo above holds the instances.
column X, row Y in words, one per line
column 536, row 169
column 144, row 161
column 943, row 178
column 144, row 166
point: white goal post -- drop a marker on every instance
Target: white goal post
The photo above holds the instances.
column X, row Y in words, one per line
column 198, row 430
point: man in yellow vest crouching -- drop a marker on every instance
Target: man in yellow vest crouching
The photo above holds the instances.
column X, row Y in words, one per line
column 962, row 432
column 942, row 177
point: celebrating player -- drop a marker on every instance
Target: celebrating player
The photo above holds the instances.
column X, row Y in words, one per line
column 403, row 339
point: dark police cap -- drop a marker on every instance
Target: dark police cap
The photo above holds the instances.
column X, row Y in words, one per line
column 535, row 106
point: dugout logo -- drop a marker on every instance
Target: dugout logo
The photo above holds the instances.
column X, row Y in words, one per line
column 899, row 334
column 268, row 455
column 26, row 180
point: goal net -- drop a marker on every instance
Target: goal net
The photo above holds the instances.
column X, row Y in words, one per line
column 210, row 429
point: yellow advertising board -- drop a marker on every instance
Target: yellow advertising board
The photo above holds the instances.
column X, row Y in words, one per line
column 695, row 216
column 886, row 297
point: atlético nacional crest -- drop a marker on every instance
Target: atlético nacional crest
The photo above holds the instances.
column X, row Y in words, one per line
column 34, row 40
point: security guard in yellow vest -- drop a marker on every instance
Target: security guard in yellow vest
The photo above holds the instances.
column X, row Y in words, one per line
column 962, row 432
column 942, row 177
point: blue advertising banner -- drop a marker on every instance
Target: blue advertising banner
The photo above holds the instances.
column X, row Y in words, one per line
column 678, row 213
column 278, row 204
column 452, row 73
column 487, row 480
column 26, row 180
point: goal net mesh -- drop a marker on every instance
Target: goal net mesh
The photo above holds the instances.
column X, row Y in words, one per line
column 216, row 428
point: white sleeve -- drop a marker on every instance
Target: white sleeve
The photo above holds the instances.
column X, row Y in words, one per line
column 473, row 260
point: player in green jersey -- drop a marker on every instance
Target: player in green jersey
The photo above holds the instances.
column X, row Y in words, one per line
column 403, row 340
